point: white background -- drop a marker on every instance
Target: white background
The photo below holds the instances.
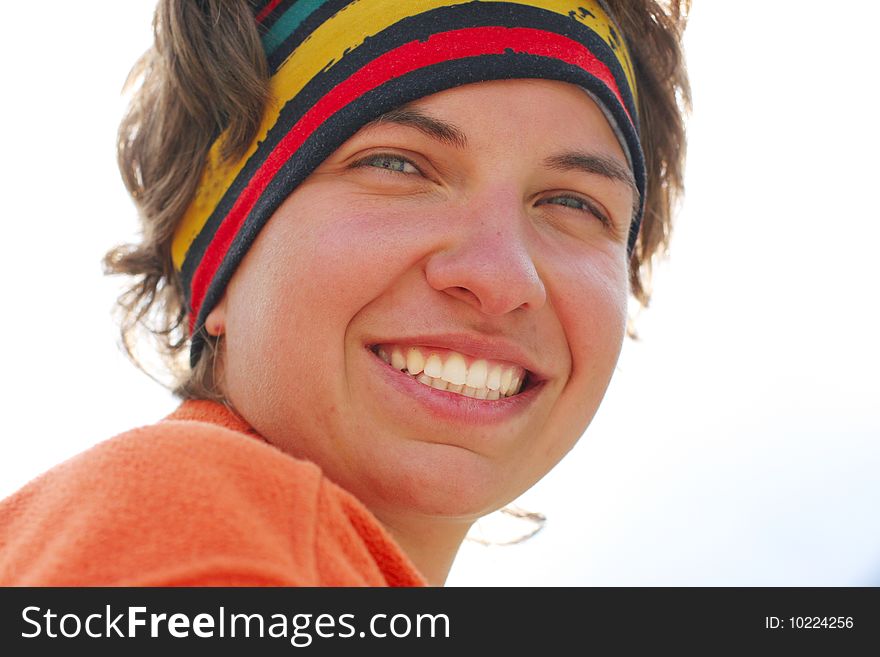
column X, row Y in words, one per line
column 738, row 444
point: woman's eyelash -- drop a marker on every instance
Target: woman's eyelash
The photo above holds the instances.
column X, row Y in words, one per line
column 389, row 162
column 578, row 203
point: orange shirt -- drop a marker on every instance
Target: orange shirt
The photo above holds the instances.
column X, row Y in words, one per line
column 198, row 499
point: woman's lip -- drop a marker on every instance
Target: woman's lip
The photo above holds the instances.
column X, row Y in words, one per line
column 450, row 406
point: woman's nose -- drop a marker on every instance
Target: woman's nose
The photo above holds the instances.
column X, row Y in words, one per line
column 486, row 261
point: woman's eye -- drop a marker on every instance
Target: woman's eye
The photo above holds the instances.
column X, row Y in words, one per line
column 388, row 162
column 577, row 203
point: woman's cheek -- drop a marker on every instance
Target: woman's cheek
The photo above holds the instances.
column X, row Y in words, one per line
column 591, row 304
column 365, row 253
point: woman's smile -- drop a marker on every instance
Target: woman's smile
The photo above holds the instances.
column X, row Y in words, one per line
column 454, row 387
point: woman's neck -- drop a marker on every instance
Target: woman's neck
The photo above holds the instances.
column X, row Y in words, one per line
column 430, row 543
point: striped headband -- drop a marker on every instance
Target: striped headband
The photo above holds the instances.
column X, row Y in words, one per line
column 337, row 65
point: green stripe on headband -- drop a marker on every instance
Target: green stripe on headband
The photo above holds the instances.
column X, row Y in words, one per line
column 287, row 23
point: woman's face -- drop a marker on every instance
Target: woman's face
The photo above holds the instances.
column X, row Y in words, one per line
column 477, row 235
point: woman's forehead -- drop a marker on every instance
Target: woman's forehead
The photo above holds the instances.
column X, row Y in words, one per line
column 551, row 112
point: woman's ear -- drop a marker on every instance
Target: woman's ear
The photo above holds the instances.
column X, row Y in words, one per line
column 215, row 322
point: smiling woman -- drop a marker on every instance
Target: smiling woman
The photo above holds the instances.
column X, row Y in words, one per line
column 400, row 277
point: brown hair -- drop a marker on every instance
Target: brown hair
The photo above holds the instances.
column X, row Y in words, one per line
column 206, row 73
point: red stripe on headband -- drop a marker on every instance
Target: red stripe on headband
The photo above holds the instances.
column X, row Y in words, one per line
column 441, row 47
column 265, row 11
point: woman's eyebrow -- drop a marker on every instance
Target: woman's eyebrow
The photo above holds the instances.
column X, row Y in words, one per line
column 594, row 163
column 433, row 127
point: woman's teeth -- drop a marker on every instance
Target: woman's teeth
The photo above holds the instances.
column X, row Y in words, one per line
column 450, row 371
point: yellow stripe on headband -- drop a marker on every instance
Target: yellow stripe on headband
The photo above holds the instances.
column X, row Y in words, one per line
column 342, row 33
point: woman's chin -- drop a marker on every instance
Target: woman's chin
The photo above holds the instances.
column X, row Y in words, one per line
column 448, row 482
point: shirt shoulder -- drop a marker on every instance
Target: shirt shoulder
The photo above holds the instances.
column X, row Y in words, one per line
column 181, row 502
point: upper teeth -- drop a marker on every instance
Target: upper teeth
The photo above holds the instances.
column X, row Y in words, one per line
column 449, row 370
